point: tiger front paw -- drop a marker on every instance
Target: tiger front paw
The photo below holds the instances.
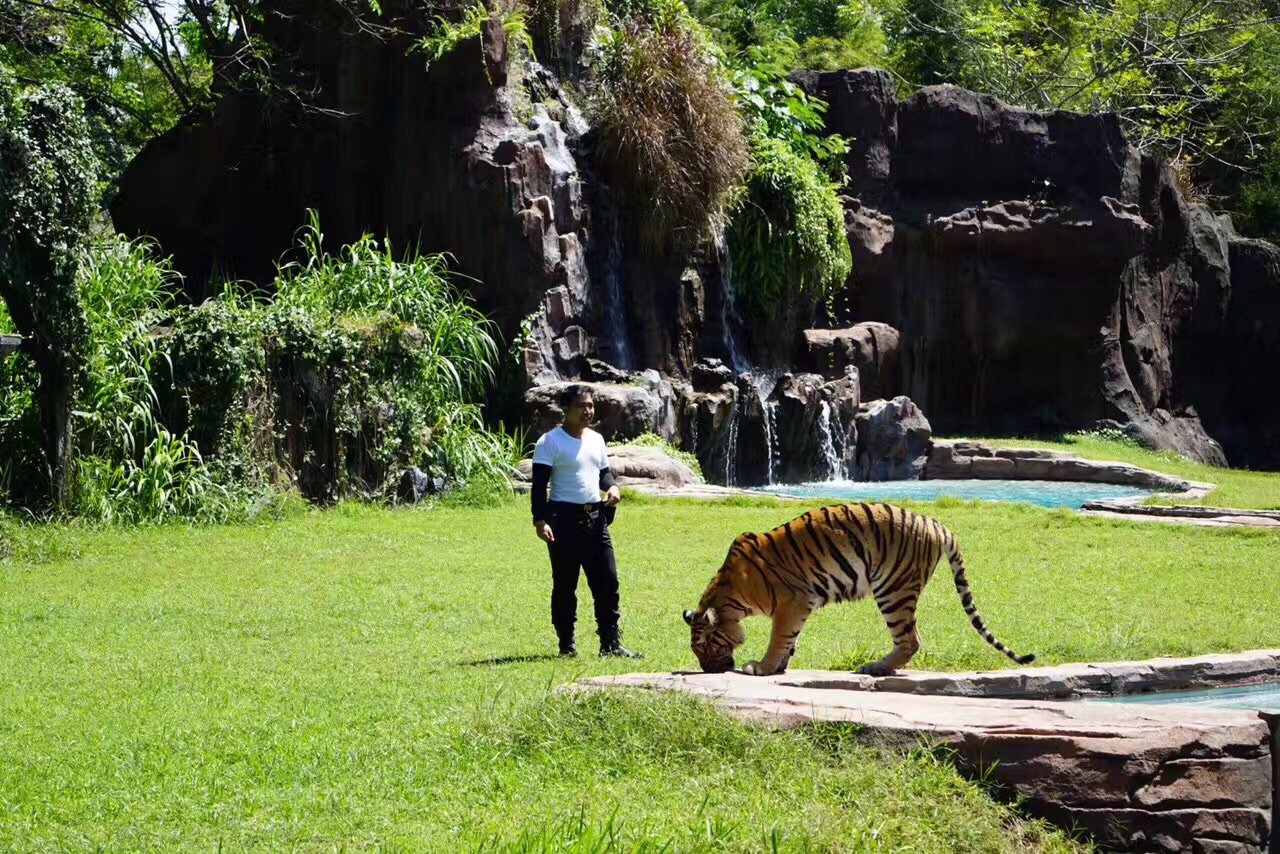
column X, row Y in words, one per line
column 754, row 668
column 875, row 668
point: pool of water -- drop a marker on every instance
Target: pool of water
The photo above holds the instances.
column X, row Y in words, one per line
column 1046, row 493
column 1263, row 698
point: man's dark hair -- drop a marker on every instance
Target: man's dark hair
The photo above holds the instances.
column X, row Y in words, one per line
column 571, row 393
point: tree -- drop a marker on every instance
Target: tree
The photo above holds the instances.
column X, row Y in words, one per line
column 48, row 173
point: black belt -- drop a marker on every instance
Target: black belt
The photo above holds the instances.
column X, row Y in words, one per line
column 584, row 508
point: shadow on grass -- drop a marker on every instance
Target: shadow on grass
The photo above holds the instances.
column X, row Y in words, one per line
column 511, row 659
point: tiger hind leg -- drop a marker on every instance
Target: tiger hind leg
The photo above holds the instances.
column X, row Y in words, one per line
column 901, row 620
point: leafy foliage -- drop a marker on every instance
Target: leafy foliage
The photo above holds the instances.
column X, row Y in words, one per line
column 129, row 466
column 776, row 108
column 401, row 354
column 446, row 35
column 820, row 34
column 669, row 136
column 47, row 175
column 787, row 235
column 361, row 366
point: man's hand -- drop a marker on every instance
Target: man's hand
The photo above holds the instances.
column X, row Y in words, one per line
column 613, row 496
column 544, row 531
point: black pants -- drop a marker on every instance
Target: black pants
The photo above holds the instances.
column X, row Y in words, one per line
column 582, row 542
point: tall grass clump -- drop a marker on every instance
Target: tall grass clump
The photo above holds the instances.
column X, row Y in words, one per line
column 365, row 282
column 422, row 353
column 128, row 466
column 669, row 137
column 355, row 367
column 20, row 454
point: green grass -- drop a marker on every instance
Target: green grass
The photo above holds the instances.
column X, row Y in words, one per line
column 1235, row 487
column 382, row 679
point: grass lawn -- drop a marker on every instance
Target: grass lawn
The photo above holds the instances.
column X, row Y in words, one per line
column 381, row 679
column 1235, row 487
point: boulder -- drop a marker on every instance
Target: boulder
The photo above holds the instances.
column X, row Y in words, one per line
column 602, row 371
column 958, row 459
column 891, row 441
column 709, row 426
column 649, row 466
column 871, row 348
column 415, row 485
column 710, row 374
column 622, row 411
column 635, row 466
column 811, row 418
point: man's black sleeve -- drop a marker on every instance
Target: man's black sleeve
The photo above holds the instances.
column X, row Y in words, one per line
column 606, row 480
column 541, row 478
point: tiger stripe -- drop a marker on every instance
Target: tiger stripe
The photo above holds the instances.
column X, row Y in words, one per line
column 836, row 553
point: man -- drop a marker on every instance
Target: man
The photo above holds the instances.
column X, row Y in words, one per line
column 575, row 522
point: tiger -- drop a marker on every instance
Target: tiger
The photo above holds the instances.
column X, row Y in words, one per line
column 832, row 554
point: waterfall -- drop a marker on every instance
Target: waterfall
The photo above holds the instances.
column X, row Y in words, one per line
column 616, row 325
column 731, row 453
column 829, row 455
column 728, row 309
column 770, row 437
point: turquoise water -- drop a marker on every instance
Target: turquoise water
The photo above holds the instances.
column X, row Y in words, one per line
column 1046, row 493
column 1264, row 698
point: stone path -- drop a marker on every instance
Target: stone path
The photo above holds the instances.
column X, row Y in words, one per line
column 1141, row 777
column 1183, row 514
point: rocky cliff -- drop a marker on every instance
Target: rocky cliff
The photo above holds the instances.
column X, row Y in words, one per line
column 1043, row 273
column 1013, row 271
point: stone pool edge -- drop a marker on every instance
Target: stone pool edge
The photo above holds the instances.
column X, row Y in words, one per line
column 1140, row 777
column 960, row 459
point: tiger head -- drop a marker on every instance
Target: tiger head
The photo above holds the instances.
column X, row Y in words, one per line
column 713, row 639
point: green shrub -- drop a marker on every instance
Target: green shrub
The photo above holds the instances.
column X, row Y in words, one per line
column 822, row 35
column 457, row 353
column 775, row 108
column 400, row 354
column 212, row 384
column 669, row 137
column 129, row 466
column 787, row 236
column 360, row 366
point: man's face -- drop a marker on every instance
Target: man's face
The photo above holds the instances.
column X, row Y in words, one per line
column 581, row 412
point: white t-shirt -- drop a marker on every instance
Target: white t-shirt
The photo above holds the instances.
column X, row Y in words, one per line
column 575, row 464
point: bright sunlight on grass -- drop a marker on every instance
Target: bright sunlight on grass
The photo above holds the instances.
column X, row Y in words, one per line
column 363, row 678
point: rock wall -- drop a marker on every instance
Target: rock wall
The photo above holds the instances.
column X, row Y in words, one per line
column 1013, row 271
column 1044, row 274
column 433, row 159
